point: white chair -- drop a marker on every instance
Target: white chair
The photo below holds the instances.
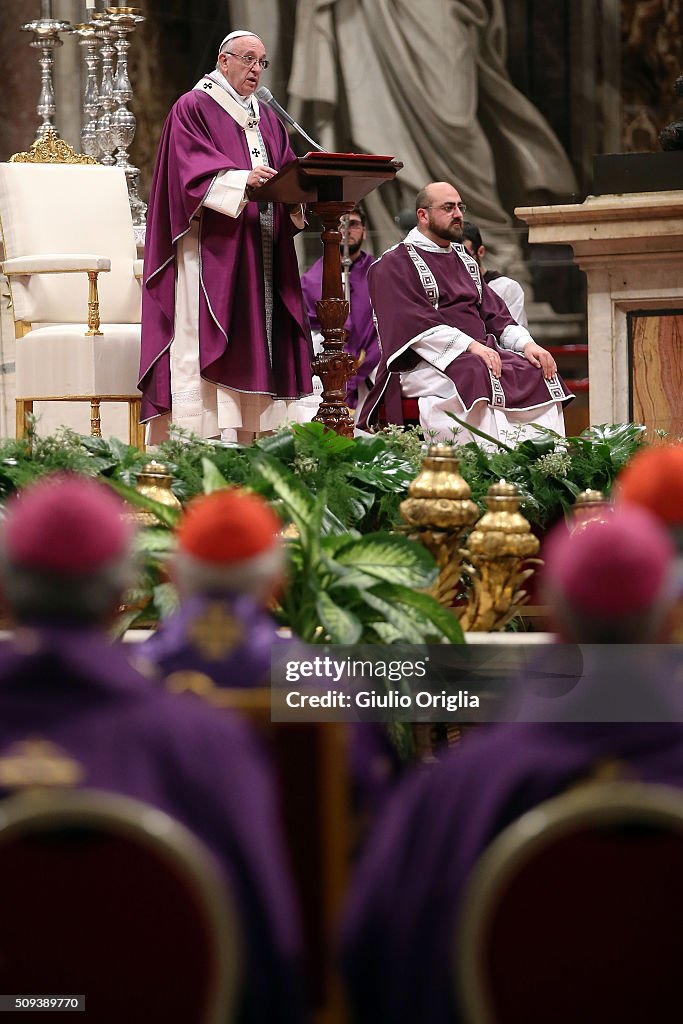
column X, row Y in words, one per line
column 63, row 225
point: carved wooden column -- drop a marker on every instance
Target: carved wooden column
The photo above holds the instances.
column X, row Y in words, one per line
column 333, row 365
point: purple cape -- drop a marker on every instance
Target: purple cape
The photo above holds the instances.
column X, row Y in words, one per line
column 362, row 336
column 74, row 689
column 402, row 912
column 230, row 640
column 198, row 140
column 403, row 312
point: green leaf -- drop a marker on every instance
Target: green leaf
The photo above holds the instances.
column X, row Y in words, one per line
column 279, row 445
column 296, row 500
column 164, row 513
column 212, row 478
column 166, row 599
column 326, row 440
column 390, row 557
column 154, row 540
column 444, row 620
column 396, row 616
column 342, row 626
column 479, row 433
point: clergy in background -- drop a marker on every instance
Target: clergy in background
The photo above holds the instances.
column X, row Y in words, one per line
column 361, row 340
column 225, row 341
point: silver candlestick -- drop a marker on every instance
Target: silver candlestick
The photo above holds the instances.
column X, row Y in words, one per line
column 123, row 123
column 46, row 33
column 105, row 139
column 91, row 100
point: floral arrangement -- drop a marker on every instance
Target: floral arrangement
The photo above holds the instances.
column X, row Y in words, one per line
column 353, row 580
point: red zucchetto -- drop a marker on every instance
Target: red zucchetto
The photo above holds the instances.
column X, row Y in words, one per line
column 653, row 479
column 227, row 527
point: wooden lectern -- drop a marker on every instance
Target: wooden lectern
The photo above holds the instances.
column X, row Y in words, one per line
column 332, row 184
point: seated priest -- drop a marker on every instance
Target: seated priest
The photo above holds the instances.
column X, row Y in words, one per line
column 610, row 584
column 448, row 340
column 361, row 340
column 228, row 568
column 72, row 700
column 229, row 565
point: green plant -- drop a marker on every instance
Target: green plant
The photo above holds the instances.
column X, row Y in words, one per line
column 550, row 471
column 346, row 587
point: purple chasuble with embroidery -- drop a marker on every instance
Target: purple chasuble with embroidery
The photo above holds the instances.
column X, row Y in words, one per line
column 74, row 690
column 230, row 640
column 404, row 311
column 198, row 140
column 362, row 336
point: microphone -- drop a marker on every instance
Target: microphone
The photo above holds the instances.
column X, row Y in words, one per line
column 266, row 96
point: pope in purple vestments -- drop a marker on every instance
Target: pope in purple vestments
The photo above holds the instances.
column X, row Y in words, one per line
column 252, row 332
column 609, row 584
column 75, row 711
column 361, row 340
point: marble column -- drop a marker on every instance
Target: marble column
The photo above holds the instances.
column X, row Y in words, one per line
column 630, row 247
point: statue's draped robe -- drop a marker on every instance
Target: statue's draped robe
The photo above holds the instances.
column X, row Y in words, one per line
column 427, row 82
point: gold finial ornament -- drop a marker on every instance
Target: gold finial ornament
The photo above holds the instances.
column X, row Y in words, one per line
column 50, row 149
column 590, row 507
column 438, row 511
column 154, row 481
column 495, row 556
column 439, row 496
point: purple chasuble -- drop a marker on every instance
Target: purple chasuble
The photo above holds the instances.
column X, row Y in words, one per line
column 403, row 907
column 230, row 640
column 198, row 140
column 74, row 690
column 404, row 311
column 362, row 336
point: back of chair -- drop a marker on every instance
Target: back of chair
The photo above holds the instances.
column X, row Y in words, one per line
column 105, row 897
column 574, row 912
column 69, row 209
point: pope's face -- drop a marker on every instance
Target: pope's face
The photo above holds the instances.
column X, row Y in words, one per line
column 243, row 77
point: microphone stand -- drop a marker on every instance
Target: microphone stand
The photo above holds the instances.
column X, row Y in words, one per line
column 266, row 96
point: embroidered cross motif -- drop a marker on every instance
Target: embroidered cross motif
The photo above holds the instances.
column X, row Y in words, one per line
column 207, row 85
column 256, row 152
column 251, row 124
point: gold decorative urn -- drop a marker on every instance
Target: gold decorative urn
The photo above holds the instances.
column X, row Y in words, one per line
column 590, row 507
column 495, row 553
column 438, row 511
column 154, row 481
